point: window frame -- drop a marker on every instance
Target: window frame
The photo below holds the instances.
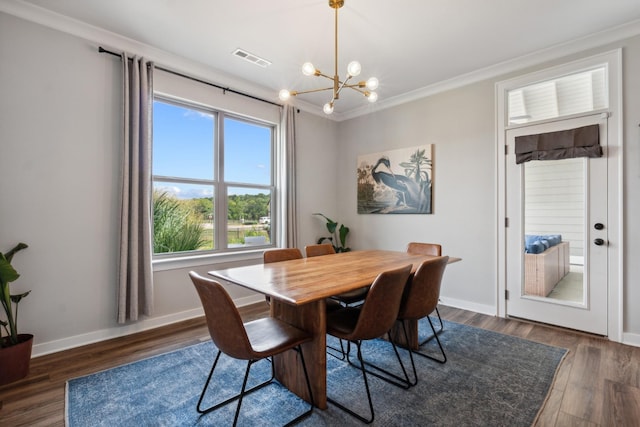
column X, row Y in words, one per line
column 221, row 251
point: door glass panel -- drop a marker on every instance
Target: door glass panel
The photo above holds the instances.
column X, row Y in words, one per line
column 554, row 224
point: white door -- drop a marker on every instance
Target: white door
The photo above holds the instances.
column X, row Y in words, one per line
column 558, row 197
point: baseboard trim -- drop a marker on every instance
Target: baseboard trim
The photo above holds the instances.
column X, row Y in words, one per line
column 470, row 306
column 631, row 339
column 55, row 346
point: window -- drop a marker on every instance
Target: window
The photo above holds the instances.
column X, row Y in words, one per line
column 575, row 93
column 212, row 179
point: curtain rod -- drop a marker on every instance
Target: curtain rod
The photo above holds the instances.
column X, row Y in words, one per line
column 224, row 89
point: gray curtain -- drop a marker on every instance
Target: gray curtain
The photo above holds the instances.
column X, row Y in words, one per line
column 566, row 144
column 135, row 284
column 289, row 235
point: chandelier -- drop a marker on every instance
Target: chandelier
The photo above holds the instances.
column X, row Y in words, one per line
column 366, row 88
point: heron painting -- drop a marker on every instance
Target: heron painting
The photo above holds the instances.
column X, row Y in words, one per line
column 396, row 182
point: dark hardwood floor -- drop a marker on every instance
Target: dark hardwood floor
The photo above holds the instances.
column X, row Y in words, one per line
column 598, row 383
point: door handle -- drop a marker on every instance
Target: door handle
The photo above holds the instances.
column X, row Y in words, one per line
column 598, row 226
column 598, row 242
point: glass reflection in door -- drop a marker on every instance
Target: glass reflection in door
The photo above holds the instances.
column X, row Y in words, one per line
column 554, row 224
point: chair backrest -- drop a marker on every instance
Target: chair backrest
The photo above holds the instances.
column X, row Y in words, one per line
column 424, row 248
column 223, row 319
column 318, row 250
column 283, row 254
column 421, row 294
column 380, row 308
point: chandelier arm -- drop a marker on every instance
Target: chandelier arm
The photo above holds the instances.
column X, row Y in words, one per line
column 357, row 89
column 319, row 74
column 300, row 92
column 342, row 84
column 356, row 85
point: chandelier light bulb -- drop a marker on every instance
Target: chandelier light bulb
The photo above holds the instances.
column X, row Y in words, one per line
column 328, row 108
column 338, row 86
column 284, row 95
column 354, row 68
column 308, row 69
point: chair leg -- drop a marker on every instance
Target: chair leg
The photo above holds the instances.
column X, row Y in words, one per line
column 340, row 351
column 444, row 356
column 244, row 392
column 306, row 377
column 388, row 376
column 366, row 385
column 439, row 320
column 412, row 352
column 232, row 398
column 440, row 329
column 413, row 364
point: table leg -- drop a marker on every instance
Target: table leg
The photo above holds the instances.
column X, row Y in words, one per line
column 397, row 334
column 310, row 317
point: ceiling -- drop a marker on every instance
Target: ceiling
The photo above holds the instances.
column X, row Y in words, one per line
column 408, row 45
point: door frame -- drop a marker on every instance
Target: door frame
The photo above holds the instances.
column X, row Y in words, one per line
column 613, row 60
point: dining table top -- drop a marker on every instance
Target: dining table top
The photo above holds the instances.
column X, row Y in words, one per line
column 304, row 280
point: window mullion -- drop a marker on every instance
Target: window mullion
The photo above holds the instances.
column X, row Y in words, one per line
column 220, row 203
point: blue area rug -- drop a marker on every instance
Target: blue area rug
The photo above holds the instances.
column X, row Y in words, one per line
column 490, row 379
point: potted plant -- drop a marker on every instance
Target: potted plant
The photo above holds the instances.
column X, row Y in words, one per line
column 338, row 235
column 15, row 348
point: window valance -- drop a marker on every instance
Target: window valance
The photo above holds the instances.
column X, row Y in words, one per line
column 565, row 144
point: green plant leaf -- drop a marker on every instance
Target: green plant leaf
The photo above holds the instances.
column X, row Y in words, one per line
column 343, row 235
column 331, row 224
column 20, row 246
column 16, row 298
column 7, row 272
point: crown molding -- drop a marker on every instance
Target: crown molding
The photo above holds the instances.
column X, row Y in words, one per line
column 602, row 38
column 100, row 36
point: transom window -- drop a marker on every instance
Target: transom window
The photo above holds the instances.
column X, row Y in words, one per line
column 567, row 95
column 212, row 179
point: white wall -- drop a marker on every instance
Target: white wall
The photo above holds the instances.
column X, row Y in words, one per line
column 461, row 127
column 59, row 167
column 59, row 160
column 460, row 122
column 631, row 101
column 59, row 127
column 317, row 175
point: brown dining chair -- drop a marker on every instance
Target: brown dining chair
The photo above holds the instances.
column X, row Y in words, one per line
column 347, row 298
column 277, row 255
column 427, row 249
column 252, row 341
column 335, row 302
column 320, row 249
column 281, row 254
column 371, row 320
column 419, row 300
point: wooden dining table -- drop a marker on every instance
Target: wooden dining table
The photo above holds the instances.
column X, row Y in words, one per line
column 298, row 290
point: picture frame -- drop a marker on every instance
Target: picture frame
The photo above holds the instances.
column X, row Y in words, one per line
column 396, row 181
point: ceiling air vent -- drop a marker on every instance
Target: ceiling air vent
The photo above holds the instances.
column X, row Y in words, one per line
column 251, row 58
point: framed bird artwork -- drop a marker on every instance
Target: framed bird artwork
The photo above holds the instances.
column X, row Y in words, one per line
column 396, row 181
